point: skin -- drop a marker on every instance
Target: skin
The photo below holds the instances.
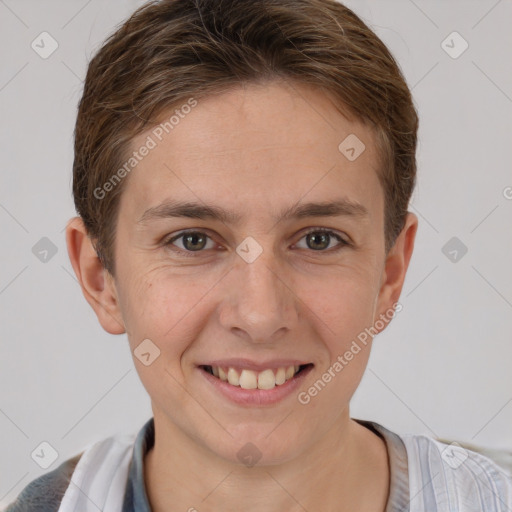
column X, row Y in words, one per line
column 291, row 302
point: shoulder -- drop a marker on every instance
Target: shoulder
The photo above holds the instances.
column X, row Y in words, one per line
column 461, row 479
column 45, row 493
column 99, row 464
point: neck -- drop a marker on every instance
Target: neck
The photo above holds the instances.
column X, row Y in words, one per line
column 347, row 470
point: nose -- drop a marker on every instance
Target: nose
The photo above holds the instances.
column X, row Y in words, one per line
column 258, row 302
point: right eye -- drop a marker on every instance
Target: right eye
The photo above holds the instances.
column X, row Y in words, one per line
column 192, row 241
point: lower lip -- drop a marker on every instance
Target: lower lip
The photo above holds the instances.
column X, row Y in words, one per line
column 256, row 397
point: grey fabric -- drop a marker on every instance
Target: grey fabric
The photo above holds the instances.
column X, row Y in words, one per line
column 398, row 500
column 135, row 498
column 45, row 493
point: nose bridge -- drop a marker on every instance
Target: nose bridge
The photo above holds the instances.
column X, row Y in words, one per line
column 260, row 304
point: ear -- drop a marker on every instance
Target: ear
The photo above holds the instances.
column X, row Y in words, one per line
column 395, row 268
column 97, row 283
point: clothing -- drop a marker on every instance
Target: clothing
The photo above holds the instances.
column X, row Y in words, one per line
column 426, row 476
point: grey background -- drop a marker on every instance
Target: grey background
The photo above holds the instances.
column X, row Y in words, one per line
column 441, row 368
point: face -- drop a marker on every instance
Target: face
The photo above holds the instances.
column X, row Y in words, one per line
column 250, row 275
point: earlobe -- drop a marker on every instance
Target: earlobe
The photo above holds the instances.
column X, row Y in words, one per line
column 396, row 265
column 97, row 285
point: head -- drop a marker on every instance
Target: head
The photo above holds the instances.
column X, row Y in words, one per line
column 290, row 127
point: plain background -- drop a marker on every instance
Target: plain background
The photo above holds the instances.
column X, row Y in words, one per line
column 442, row 368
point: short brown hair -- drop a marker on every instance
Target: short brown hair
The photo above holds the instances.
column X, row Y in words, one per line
column 171, row 50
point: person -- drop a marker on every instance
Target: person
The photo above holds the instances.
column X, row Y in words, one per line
column 242, row 175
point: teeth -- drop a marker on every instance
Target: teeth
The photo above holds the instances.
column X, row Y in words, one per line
column 233, row 377
column 249, row 379
column 266, row 379
column 280, row 376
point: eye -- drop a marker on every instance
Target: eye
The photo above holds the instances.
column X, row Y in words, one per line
column 192, row 241
column 319, row 239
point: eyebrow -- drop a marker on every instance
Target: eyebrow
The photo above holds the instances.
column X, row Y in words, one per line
column 193, row 210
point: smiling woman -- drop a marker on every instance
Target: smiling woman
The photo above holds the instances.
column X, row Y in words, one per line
column 247, row 257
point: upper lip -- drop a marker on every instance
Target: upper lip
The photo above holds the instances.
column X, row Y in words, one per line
column 253, row 365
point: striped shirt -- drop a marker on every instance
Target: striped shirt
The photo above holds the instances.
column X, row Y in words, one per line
column 425, row 476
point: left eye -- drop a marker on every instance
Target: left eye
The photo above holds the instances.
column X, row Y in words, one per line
column 320, row 239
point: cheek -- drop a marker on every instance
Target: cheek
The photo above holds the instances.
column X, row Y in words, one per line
column 163, row 308
column 346, row 312
column 343, row 304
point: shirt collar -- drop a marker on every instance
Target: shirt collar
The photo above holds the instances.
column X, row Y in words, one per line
column 136, row 498
column 399, row 498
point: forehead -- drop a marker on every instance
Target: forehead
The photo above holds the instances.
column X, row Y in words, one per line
column 255, row 147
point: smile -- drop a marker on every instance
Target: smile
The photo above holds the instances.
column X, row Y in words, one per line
column 250, row 379
column 254, row 384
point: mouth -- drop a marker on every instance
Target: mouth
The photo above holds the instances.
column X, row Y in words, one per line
column 265, row 379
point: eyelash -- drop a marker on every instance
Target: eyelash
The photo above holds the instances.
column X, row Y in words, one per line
column 169, row 242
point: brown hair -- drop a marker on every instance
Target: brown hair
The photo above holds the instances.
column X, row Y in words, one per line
column 171, row 50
